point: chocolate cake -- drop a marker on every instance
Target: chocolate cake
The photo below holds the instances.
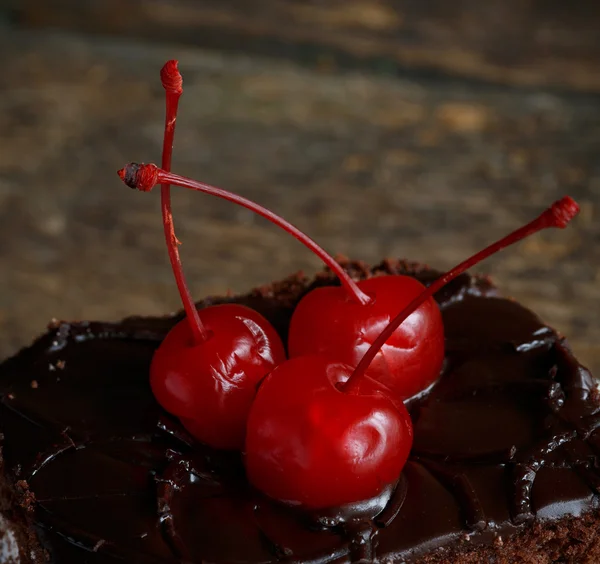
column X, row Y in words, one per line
column 504, row 466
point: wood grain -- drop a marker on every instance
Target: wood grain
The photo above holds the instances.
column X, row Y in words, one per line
column 426, row 169
column 524, row 42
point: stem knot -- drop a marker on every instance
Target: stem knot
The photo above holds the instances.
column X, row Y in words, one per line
column 142, row 177
column 171, row 77
column 563, row 211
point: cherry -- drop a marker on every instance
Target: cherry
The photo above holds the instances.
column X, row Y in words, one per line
column 208, row 367
column 311, row 444
column 318, row 435
column 410, row 360
column 344, row 321
column 210, row 385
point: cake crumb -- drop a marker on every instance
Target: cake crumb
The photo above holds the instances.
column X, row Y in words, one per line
column 51, row 367
column 60, row 364
column 498, row 542
column 27, row 501
column 10, row 396
column 34, row 384
column 265, row 291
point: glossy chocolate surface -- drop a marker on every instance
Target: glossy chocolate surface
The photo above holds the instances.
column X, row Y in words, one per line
column 507, row 435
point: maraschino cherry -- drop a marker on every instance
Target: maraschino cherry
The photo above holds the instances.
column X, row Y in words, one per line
column 343, row 322
column 209, row 365
column 319, row 434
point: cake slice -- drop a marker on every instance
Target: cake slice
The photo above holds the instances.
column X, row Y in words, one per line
column 503, row 468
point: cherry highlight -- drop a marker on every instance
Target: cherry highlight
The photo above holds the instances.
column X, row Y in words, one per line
column 172, row 82
column 144, row 177
column 557, row 215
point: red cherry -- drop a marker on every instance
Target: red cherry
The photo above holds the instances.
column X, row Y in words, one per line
column 308, row 443
column 207, row 369
column 210, row 386
column 411, row 359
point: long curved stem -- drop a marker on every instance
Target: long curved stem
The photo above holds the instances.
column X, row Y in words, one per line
column 172, row 83
column 145, row 176
column 558, row 215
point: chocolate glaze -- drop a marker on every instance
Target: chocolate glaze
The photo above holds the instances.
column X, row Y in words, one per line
column 509, row 434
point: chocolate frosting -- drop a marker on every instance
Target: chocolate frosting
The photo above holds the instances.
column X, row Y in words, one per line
column 508, row 435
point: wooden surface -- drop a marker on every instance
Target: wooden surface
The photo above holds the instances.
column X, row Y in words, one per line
column 428, row 169
column 525, row 42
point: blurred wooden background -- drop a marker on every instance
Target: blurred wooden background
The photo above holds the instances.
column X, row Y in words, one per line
column 422, row 129
column 523, row 42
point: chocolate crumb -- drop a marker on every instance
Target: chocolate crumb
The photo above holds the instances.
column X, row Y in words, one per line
column 34, row 384
column 60, row 364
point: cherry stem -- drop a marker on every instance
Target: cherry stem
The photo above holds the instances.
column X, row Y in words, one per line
column 557, row 215
column 145, row 176
column 172, row 83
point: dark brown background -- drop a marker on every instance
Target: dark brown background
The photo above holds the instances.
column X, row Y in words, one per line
column 383, row 128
